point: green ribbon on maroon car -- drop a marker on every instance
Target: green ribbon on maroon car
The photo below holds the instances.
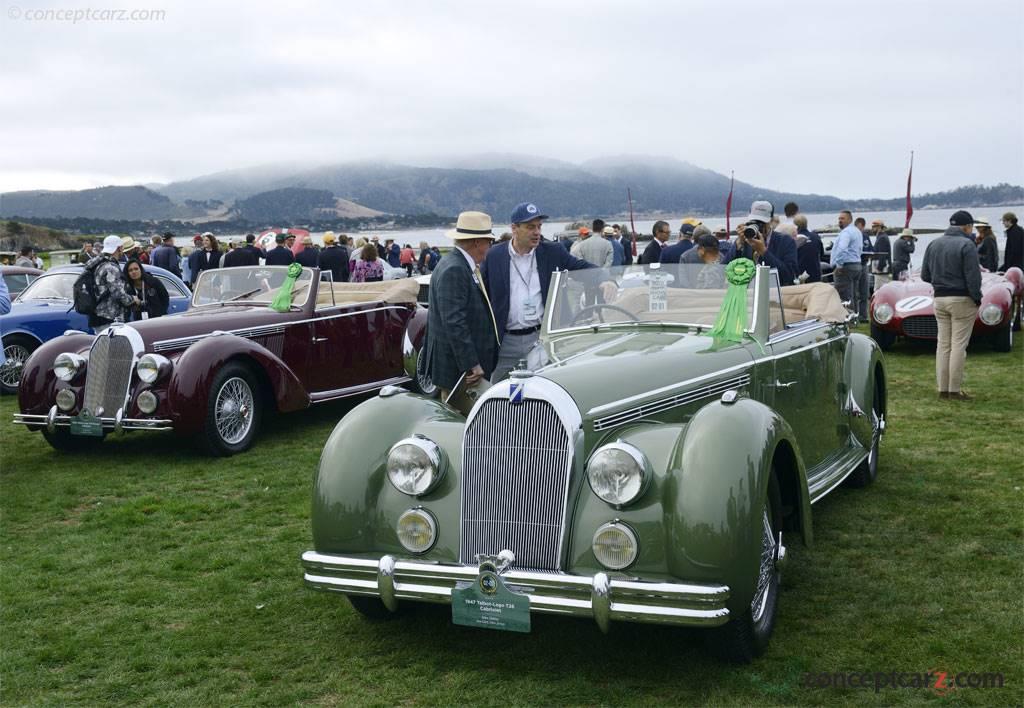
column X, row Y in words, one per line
column 732, row 318
column 283, row 300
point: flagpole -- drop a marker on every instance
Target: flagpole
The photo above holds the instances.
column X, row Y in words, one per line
column 632, row 226
column 728, row 206
column 910, row 206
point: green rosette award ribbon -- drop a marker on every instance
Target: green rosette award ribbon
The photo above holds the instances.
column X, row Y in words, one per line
column 732, row 318
column 283, row 300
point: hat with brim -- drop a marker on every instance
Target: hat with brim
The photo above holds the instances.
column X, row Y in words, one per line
column 761, row 211
column 471, row 225
column 111, row 244
column 907, row 232
column 128, row 243
column 329, row 237
column 982, row 224
column 608, row 231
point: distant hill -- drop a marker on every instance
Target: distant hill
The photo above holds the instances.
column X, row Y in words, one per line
column 103, row 202
column 494, row 183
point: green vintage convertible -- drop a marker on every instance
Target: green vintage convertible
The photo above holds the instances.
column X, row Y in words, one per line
column 643, row 471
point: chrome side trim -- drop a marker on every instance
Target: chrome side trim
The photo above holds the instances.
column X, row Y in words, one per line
column 601, row 597
column 713, row 375
column 323, row 396
column 249, row 332
column 664, row 404
column 831, row 473
column 52, row 421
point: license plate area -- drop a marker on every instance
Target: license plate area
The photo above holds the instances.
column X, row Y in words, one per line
column 489, row 604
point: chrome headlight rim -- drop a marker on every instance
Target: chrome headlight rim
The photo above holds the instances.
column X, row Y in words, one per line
column 150, row 368
column 642, row 463
column 66, row 400
column 68, row 365
column 152, row 402
column 423, row 514
column 994, row 312
column 627, row 531
column 435, row 454
column 883, row 313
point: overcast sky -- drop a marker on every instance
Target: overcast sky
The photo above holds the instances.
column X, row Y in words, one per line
column 826, row 97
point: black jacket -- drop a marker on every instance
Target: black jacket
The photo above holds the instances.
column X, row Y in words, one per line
column 155, row 300
column 1013, row 256
column 627, row 249
column 988, row 254
column 335, row 259
column 309, row 257
column 279, row 256
column 883, row 253
column 652, row 254
column 901, row 251
column 239, row 257
column 198, row 261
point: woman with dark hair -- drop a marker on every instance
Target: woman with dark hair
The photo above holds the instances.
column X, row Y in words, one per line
column 204, row 258
column 988, row 250
column 368, row 268
column 151, row 293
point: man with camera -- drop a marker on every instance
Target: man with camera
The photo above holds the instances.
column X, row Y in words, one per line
column 756, row 240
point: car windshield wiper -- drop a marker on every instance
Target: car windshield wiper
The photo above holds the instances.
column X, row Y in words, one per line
column 243, row 295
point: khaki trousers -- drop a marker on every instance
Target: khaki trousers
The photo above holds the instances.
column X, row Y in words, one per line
column 955, row 316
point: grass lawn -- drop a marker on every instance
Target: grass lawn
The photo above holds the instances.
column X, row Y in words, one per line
column 146, row 573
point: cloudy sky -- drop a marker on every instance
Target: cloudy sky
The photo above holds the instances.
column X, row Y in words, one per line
column 802, row 96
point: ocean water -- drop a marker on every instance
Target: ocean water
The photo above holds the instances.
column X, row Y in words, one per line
column 922, row 219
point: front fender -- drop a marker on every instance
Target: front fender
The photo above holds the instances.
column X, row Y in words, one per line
column 37, row 387
column 194, row 370
column 717, row 492
column 355, row 508
column 862, row 364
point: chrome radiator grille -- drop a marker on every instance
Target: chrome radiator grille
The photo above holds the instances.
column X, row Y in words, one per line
column 922, row 326
column 515, row 474
column 108, row 374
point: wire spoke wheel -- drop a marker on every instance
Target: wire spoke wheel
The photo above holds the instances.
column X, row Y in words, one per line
column 234, row 410
column 766, row 573
column 10, row 370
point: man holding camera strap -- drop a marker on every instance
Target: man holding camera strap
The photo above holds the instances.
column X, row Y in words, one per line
column 757, row 241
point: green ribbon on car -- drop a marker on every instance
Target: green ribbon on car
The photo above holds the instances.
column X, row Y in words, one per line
column 732, row 318
column 283, row 300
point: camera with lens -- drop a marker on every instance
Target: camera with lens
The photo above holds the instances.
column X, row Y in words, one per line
column 752, row 230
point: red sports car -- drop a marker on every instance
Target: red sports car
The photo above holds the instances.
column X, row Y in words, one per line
column 906, row 308
column 210, row 373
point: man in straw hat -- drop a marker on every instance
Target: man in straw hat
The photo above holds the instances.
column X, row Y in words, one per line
column 462, row 337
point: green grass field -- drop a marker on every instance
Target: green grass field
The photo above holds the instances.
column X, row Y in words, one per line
column 147, row 573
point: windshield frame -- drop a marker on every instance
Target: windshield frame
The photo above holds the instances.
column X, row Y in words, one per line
column 72, row 275
column 306, row 277
column 758, row 325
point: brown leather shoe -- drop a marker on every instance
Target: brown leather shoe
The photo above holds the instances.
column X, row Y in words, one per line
column 943, row 394
column 960, row 396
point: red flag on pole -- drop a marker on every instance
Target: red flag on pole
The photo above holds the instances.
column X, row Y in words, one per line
column 910, row 207
column 728, row 205
column 632, row 226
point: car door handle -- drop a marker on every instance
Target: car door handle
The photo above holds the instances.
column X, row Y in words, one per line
column 779, row 384
column 317, row 340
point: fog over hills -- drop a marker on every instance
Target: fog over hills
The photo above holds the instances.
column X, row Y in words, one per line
column 490, row 182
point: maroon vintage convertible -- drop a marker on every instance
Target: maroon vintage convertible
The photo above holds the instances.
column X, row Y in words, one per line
column 210, row 373
column 906, row 308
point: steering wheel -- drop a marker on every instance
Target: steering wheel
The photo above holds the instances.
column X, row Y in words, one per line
column 602, row 306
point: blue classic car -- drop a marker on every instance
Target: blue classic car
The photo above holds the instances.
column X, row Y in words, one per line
column 43, row 311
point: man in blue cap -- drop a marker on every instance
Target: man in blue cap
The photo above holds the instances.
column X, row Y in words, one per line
column 517, row 276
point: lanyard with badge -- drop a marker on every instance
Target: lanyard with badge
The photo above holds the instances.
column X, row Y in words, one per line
column 531, row 308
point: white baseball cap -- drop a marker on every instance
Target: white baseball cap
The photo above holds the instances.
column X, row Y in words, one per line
column 111, row 244
column 761, row 211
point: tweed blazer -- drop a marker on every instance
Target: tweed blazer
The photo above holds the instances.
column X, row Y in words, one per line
column 460, row 332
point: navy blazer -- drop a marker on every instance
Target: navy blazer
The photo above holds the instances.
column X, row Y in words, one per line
column 672, row 254
column 496, row 271
column 781, row 255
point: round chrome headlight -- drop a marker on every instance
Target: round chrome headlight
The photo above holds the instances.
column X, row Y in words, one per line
column 417, row 530
column 416, row 465
column 147, row 401
column 615, row 546
column 66, row 399
column 883, row 313
column 152, row 367
column 618, row 473
column 991, row 314
column 67, row 365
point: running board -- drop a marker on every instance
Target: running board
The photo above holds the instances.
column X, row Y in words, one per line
column 833, row 471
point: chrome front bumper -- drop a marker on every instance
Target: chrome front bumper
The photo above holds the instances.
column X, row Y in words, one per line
column 53, row 420
column 599, row 596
